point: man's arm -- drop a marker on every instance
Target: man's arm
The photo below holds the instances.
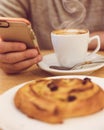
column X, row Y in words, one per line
column 94, row 42
column 15, row 57
column 14, row 8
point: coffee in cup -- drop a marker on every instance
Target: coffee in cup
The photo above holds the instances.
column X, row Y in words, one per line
column 71, row 31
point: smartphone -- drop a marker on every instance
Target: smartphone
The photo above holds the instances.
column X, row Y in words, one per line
column 18, row 30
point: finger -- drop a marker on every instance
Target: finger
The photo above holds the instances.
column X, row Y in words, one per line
column 11, row 46
column 18, row 67
column 18, row 56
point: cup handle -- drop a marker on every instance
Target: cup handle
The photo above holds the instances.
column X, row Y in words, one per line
column 98, row 44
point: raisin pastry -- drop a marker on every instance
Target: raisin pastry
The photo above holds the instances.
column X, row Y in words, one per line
column 53, row 100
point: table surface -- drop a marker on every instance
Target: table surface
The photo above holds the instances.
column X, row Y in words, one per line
column 9, row 81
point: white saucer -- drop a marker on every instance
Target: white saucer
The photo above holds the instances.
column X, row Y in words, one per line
column 51, row 59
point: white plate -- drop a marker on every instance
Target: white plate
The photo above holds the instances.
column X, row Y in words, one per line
column 13, row 119
column 51, row 59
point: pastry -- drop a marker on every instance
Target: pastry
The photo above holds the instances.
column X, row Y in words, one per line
column 54, row 100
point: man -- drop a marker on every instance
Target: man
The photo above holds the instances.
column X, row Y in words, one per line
column 46, row 15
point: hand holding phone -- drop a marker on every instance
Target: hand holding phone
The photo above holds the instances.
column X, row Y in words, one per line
column 14, row 57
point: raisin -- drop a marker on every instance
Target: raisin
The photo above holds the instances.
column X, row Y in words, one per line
column 85, row 80
column 71, row 98
column 52, row 86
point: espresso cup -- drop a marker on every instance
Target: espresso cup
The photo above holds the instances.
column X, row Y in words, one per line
column 71, row 45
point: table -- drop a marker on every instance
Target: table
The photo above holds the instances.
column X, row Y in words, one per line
column 9, row 81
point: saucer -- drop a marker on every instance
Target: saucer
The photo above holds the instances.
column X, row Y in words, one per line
column 51, row 59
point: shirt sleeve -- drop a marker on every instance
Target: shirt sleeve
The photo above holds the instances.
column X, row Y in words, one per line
column 14, row 8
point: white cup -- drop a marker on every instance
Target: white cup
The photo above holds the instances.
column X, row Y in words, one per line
column 71, row 45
